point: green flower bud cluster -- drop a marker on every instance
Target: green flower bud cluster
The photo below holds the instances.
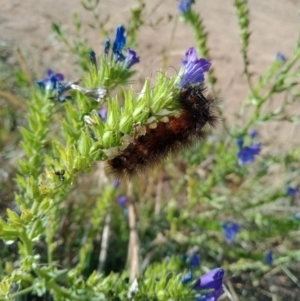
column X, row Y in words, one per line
column 126, row 118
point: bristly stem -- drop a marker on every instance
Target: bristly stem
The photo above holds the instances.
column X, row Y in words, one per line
column 244, row 20
column 256, row 115
column 49, row 237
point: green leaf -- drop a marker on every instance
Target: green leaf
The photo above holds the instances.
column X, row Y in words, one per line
column 14, row 218
column 85, row 144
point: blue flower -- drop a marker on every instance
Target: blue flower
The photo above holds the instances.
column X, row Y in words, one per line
column 120, row 40
column 60, row 89
column 212, row 281
column 55, row 86
column 195, row 261
column 122, row 200
column 280, row 57
column 127, row 60
column 292, row 191
column 194, row 68
column 230, row 230
column 269, row 258
column 50, row 81
column 120, row 57
column 185, row 5
column 247, row 154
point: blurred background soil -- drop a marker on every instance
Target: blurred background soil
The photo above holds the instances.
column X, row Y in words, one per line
column 274, row 26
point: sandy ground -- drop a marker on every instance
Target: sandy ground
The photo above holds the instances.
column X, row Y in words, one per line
column 274, row 26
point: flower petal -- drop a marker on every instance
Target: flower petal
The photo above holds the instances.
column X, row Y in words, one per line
column 269, row 258
column 230, row 230
column 120, row 40
column 194, row 68
column 195, row 261
column 50, row 73
column 122, row 200
column 247, row 153
column 131, row 58
column 212, row 280
column 185, row 5
column 292, row 191
column 59, row 77
column 103, row 113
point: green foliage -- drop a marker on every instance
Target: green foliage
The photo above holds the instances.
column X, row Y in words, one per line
column 65, row 205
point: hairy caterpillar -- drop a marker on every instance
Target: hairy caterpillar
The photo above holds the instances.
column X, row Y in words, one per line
column 167, row 136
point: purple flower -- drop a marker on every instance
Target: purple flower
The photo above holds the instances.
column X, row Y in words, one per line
column 185, row 5
column 194, row 68
column 103, row 113
column 117, row 183
column 230, row 230
column 292, row 191
column 195, row 261
column 280, row 57
column 269, row 258
column 187, row 277
column 247, row 153
column 212, row 281
column 131, row 58
column 253, row 134
column 122, row 200
column 50, row 81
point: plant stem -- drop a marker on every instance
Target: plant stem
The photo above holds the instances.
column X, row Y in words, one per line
column 22, row 292
column 104, row 242
column 27, row 243
column 133, row 247
column 49, row 242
